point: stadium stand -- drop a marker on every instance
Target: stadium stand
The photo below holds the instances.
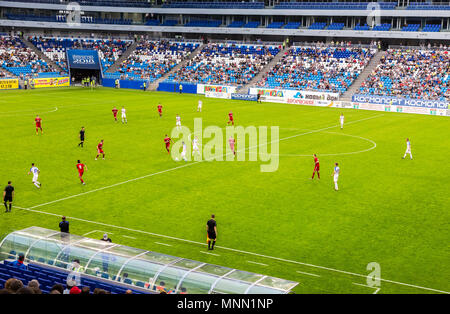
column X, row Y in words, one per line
column 292, row 25
column 229, row 64
column 330, row 69
column 55, row 48
column 427, row 6
column 21, row 61
column 360, row 27
column 414, row 73
column 236, row 24
column 48, row 277
column 152, row 59
column 275, row 25
column 111, row 3
column 332, row 5
column 382, row 27
column 411, row 28
column 431, row 28
column 203, row 23
column 215, row 5
column 317, row 25
column 336, row 26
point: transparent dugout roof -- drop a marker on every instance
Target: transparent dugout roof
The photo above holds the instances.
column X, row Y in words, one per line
column 136, row 267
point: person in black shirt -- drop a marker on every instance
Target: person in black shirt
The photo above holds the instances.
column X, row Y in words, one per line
column 81, row 137
column 8, row 195
column 106, row 238
column 211, row 229
column 64, row 225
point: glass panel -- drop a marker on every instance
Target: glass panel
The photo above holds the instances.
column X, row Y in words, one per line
column 139, row 271
column 37, row 231
column 159, row 258
column 106, row 265
column 44, row 251
column 188, row 264
column 231, row 286
column 264, row 290
column 245, row 276
column 169, row 278
column 214, row 270
column 197, row 283
column 278, row 283
column 70, row 253
column 14, row 245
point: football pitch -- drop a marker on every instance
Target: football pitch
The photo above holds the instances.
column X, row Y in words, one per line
column 388, row 210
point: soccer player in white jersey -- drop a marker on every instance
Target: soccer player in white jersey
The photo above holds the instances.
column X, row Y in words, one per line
column 408, row 149
column 124, row 115
column 199, row 107
column 35, row 171
column 178, row 122
column 183, row 153
column 195, row 148
column 341, row 119
column 336, row 172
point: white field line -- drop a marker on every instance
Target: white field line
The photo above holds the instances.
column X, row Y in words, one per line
column 309, row 274
column 125, row 236
column 93, row 231
column 236, row 250
column 376, row 288
column 163, row 244
column 374, row 145
column 16, row 113
column 209, row 253
column 257, row 263
column 191, row 164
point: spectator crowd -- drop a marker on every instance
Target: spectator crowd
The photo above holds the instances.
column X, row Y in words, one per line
column 152, row 59
column 413, row 73
column 318, row 68
column 20, row 60
column 226, row 64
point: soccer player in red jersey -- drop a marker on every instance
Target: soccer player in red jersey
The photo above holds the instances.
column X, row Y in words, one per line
column 167, row 140
column 100, row 150
column 316, row 167
column 114, row 111
column 160, row 109
column 38, row 124
column 230, row 115
column 81, row 167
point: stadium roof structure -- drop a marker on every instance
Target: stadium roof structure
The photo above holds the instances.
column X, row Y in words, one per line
column 137, row 267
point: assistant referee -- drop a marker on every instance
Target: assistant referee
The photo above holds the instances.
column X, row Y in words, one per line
column 8, row 195
column 211, row 229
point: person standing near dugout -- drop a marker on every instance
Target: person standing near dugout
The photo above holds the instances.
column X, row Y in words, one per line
column 211, row 230
column 8, row 195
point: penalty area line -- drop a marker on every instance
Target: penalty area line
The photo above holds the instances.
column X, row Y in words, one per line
column 236, row 250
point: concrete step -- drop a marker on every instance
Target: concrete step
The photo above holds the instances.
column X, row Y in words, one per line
column 116, row 65
column 153, row 86
column 41, row 54
column 353, row 89
column 244, row 89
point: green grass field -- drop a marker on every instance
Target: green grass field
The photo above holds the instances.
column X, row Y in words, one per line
column 388, row 210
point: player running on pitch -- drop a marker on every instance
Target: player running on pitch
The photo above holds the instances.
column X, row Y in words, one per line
column 232, row 143
column 82, row 131
column 230, row 118
column 100, row 150
column 199, row 107
column 35, row 171
column 335, row 175
column 167, row 141
column 408, row 149
column 114, row 111
column 316, row 167
column 178, row 123
column 183, row 152
column 341, row 119
column 195, row 146
column 160, row 110
column 38, row 121
column 124, row 115
column 81, row 167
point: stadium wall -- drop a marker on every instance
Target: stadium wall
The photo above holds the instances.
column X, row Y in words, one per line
column 190, row 88
column 138, row 84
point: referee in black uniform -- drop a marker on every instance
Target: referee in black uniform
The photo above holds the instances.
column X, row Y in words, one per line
column 8, row 195
column 211, row 229
column 81, row 137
